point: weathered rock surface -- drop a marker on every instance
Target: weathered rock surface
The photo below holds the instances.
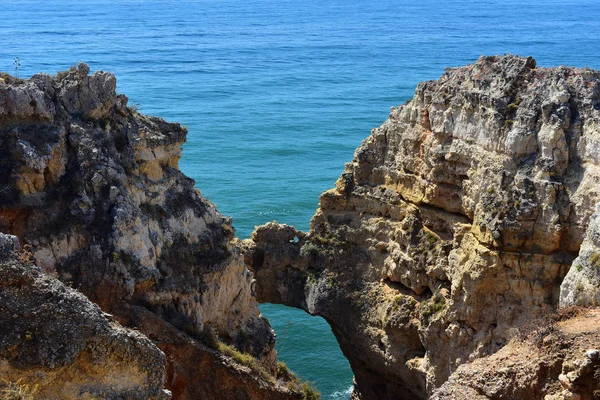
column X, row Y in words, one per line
column 553, row 361
column 58, row 345
column 93, row 188
column 454, row 225
column 581, row 286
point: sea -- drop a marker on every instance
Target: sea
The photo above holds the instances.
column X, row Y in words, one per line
column 277, row 95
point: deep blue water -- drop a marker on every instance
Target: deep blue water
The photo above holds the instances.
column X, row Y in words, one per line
column 278, row 94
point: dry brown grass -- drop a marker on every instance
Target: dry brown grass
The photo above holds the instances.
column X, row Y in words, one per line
column 564, row 314
column 16, row 391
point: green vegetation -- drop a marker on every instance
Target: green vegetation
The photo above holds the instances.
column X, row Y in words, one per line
column 433, row 305
column 308, row 391
column 595, row 261
column 309, row 249
column 431, row 240
column 398, row 301
column 405, row 302
column 284, row 372
column 513, row 106
column 246, row 360
column 329, row 240
column 288, row 378
column 427, row 242
column 283, row 376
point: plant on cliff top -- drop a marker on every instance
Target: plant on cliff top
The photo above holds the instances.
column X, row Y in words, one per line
column 246, row 360
column 293, row 383
column 17, row 64
column 310, row 393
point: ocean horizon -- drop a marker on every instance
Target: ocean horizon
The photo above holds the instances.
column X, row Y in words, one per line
column 277, row 95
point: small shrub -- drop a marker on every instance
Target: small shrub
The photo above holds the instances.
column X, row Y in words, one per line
column 433, row 305
column 246, row 360
column 283, row 372
column 292, row 382
column 17, row 64
column 208, row 337
column 405, row 302
column 310, row 392
column 431, row 240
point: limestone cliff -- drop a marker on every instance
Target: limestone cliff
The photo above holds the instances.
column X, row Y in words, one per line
column 452, row 229
column 92, row 190
column 55, row 343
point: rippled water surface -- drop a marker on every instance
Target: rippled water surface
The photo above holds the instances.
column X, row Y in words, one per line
column 278, row 94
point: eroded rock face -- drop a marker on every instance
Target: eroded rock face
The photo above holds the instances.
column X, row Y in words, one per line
column 56, row 344
column 555, row 360
column 456, row 222
column 581, row 286
column 94, row 188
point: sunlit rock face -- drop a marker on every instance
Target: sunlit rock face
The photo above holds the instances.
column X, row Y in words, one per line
column 92, row 190
column 454, row 225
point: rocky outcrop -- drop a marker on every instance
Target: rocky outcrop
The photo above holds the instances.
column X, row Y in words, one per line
column 56, row 344
column 454, row 225
column 553, row 360
column 581, row 286
column 92, row 187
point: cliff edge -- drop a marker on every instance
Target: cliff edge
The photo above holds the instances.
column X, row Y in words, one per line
column 462, row 220
column 92, row 190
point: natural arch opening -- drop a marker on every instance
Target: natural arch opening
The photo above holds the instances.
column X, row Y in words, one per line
column 308, row 347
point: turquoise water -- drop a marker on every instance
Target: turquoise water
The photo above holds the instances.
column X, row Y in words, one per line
column 278, row 94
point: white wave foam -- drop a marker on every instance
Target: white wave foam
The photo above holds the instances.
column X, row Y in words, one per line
column 343, row 395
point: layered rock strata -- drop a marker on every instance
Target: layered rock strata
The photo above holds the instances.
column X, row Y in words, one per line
column 93, row 190
column 454, row 225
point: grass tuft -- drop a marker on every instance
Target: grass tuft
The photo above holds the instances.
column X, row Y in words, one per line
column 246, row 360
